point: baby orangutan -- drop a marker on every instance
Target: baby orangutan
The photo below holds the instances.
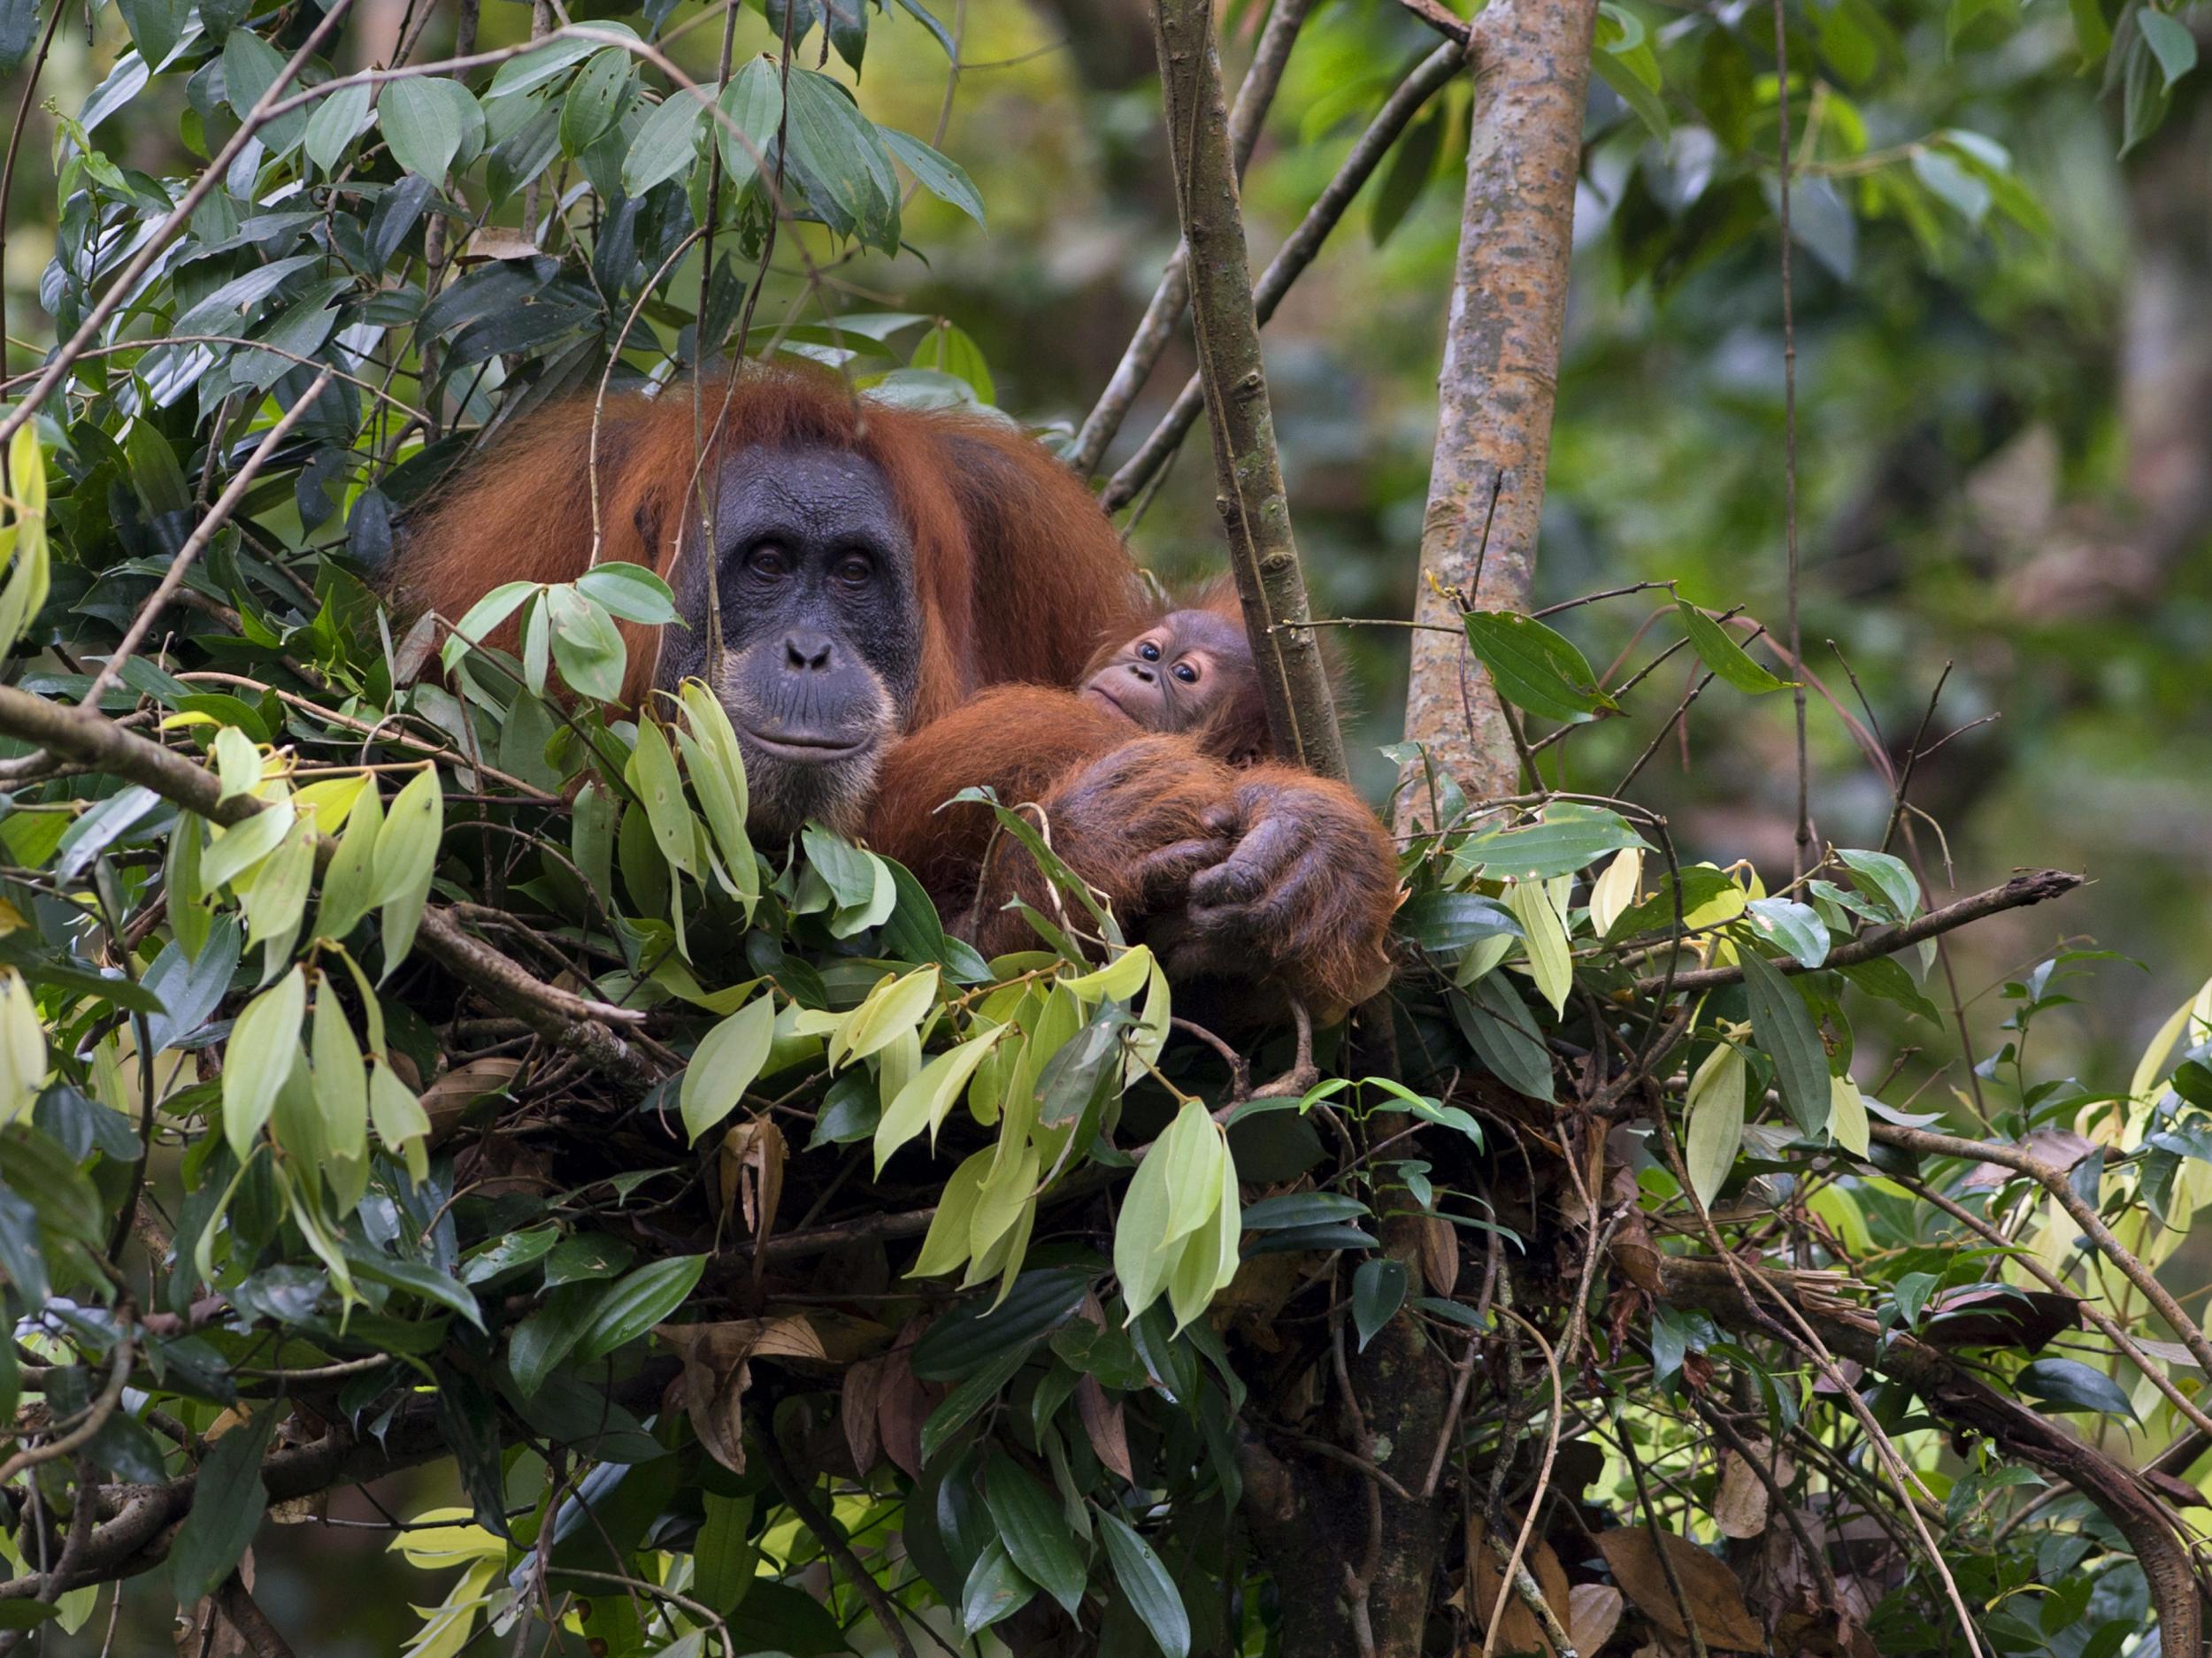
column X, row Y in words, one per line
column 1192, row 672
column 1187, row 681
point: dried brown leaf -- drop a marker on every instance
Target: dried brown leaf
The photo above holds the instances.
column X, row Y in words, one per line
column 1518, row 1630
column 1714, row 1596
column 1103, row 1425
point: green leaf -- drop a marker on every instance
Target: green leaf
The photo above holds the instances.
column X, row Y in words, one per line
column 996, row 1588
column 157, row 25
column 1534, row 667
column 190, row 990
column 227, row 1503
column 948, row 349
column 2069, row 1385
column 724, row 1558
column 976, row 1334
column 342, row 1086
column 1847, row 1115
column 1715, row 1110
column 890, row 1010
column 927, row 1097
column 1034, row 1529
column 426, row 121
column 1570, row 838
column 1717, row 649
column 1379, row 1289
column 406, row 857
column 263, row 1044
column 660, row 789
column 250, row 67
column 542, row 1341
column 725, row 1064
column 1887, row 879
column 633, row 1305
column 1144, row 1581
column 1634, row 91
column 417, row 1279
column 752, row 104
column 2170, row 41
column 349, row 883
column 840, row 160
column 482, row 618
column 337, row 121
column 629, row 591
column 586, row 645
column 961, row 1406
column 1498, row 1025
column 1785, row 1033
column 596, row 100
column 668, row 140
column 941, row 177
column 1551, row 965
column 1796, row 927
column 99, row 827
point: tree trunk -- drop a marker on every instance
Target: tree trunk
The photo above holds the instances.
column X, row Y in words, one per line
column 1500, row 373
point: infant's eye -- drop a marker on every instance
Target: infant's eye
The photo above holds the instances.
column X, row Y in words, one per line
column 1187, row 674
column 1149, row 651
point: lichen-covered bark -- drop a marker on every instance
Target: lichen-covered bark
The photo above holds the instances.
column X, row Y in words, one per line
column 1500, row 370
column 1248, row 469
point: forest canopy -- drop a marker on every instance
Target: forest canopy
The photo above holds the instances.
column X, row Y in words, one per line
column 443, row 1138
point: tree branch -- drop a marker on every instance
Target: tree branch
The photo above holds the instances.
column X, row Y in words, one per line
column 1508, row 308
column 237, row 1606
column 1292, row 258
column 2035, row 887
column 1247, row 470
column 568, row 1020
column 1952, row 1393
column 1255, row 94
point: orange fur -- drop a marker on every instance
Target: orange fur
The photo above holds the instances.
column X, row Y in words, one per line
column 982, row 503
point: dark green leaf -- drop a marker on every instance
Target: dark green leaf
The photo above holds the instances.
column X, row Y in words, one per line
column 1034, row 1530
column 1379, row 1289
column 1448, row 922
column 1572, row 837
column 1717, row 649
column 2069, row 1385
column 1784, row 1031
column 1503, row 1033
column 1151, row 1592
column 1534, row 668
column 633, row 1305
column 1302, row 1209
column 976, row 1333
column 228, row 1504
column 996, row 1588
column 942, row 177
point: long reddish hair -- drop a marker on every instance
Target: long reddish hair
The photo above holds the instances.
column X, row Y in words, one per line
column 1017, row 570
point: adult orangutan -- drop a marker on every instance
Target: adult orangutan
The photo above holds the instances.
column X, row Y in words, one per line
column 876, row 568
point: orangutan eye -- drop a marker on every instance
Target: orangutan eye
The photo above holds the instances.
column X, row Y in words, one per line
column 1187, row 674
column 768, row 560
column 1149, row 651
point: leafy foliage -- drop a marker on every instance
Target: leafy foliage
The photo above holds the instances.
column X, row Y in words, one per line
column 280, row 1156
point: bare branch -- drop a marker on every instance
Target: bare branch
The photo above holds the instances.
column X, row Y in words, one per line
column 2036, row 887
column 1301, row 712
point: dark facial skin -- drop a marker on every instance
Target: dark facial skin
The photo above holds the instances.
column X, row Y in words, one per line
column 1176, row 674
column 821, row 629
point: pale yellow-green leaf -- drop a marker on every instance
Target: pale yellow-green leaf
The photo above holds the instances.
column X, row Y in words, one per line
column 678, row 978
column 1482, row 956
column 22, row 1048
column 1545, row 936
column 1144, row 1040
column 1615, row 890
column 946, row 1246
column 235, row 850
column 189, row 917
column 315, row 1229
column 896, row 1005
column 258, row 1057
column 237, row 762
column 342, row 1087
column 1839, row 1209
column 401, row 1122
column 406, row 857
column 349, row 883
column 1716, row 1120
column 724, row 1065
column 927, row 1097
column 898, row 1064
column 1006, row 1255
column 1724, row 905
column 328, row 802
column 278, row 897
column 1208, row 1260
column 711, row 724
column 883, row 898
column 1117, row 981
column 1847, row 1115
column 1193, row 1149
column 652, row 774
column 1141, row 1259
column 723, row 807
column 1006, row 1188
